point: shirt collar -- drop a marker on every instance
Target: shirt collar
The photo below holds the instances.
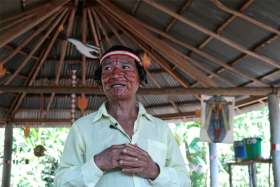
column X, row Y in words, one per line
column 102, row 111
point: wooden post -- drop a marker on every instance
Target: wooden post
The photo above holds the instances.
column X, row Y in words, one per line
column 230, row 175
column 7, row 159
column 213, row 165
column 274, row 118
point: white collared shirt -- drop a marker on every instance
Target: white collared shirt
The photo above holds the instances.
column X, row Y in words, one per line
column 92, row 134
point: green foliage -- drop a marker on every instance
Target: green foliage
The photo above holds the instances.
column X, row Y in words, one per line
column 29, row 170
column 251, row 124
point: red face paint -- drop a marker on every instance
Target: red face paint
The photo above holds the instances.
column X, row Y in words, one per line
column 119, row 77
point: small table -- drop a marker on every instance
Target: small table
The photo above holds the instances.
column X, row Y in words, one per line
column 251, row 169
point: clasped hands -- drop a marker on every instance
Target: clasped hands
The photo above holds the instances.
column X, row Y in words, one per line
column 129, row 159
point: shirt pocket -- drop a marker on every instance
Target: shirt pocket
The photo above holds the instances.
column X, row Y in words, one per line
column 157, row 151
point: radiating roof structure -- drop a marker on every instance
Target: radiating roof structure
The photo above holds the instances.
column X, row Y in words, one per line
column 192, row 44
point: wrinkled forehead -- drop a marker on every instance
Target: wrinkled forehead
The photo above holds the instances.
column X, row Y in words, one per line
column 118, row 58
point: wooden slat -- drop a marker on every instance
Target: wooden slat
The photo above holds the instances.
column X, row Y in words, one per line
column 222, row 27
column 27, row 59
column 246, row 18
column 62, row 54
column 182, row 9
column 44, row 12
column 165, row 50
column 214, row 35
column 27, row 40
column 135, row 7
column 174, row 91
column 36, row 69
column 102, row 28
column 205, row 55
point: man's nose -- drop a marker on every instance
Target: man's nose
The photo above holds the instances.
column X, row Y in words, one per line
column 116, row 71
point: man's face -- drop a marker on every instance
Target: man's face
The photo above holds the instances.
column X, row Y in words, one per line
column 119, row 77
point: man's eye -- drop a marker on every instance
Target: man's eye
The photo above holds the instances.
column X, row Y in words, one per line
column 107, row 68
column 125, row 67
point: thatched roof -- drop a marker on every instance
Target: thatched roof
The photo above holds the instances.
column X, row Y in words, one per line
column 192, row 43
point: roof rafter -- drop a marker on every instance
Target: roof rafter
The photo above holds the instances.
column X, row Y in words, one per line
column 27, row 40
column 225, row 40
column 27, row 59
column 205, row 55
column 62, row 54
column 255, row 22
column 182, row 9
column 168, row 52
column 35, row 70
column 42, row 13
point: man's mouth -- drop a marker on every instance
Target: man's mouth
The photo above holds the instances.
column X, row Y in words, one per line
column 118, row 85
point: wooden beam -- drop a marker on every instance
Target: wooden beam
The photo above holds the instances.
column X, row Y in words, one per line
column 7, row 158
column 101, row 28
column 182, row 9
column 93, row 28
column 28, row 39
column 222, row 27
column 36, row 47
column 58, row 122
column 24, row 53
column 110, row 26
column 214, row 35
column 13, row 23
column 135, row 7
column 230, row 91
column 156, row 58
column 35, row 70
column 251, row 20
column 165, row 50
column 84, row 40
column 206, row 56
column 62, row 54
column 44, row 12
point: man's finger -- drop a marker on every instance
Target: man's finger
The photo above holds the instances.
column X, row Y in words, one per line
column 132, row 171
column 132, row 152
column 136, row 147
column 131, row 164
column 128, row 158
column 118, row 146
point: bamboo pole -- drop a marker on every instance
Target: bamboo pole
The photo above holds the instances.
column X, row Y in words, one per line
column 45, row 12
column 214, row 35
column 168, row 52
column 173, row 91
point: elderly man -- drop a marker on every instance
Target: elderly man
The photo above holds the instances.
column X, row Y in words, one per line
column 121, row 145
